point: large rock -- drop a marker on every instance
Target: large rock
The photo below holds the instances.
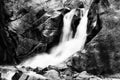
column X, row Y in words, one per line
column 103, row 50
column 52, row 75
column 102, row 55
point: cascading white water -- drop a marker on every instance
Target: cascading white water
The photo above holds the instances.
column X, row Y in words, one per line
column 67, row 46
column 66, row 32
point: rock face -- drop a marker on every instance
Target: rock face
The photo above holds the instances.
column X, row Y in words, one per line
column 105, row 46
column 44, row 31
column 102, row 54
column 37, row 31
column 104, row 49
column 7, row 43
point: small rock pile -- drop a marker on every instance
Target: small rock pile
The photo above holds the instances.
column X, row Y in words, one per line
column 48, row 73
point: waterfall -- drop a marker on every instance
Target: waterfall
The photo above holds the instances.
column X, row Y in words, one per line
column 68, row 45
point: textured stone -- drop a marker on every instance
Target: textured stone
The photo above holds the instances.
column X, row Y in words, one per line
column 52, row 75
